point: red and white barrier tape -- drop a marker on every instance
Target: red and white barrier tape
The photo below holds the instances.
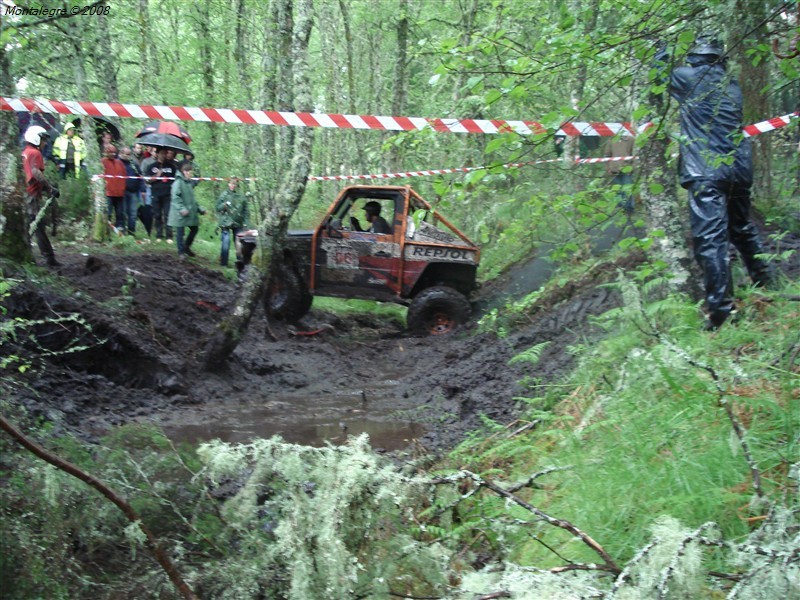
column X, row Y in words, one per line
column 300, row 119
column 381, row 175
column 459, row 169
column 769, row 125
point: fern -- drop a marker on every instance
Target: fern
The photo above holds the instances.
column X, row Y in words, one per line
column 531, row 356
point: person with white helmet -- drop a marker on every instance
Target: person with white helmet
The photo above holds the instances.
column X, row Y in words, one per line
column 33, row 165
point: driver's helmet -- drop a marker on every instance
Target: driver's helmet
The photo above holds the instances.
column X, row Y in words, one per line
column 373, row 208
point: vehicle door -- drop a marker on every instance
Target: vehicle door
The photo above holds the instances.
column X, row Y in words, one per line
column 359, row 263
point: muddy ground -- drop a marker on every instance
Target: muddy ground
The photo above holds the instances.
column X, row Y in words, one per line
column 143, row 319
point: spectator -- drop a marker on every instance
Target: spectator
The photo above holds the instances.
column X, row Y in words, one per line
column 231, row 217
column 33, row 165
column 134, row 188
column 107, row 139
column 188, row 157
column 149, row 157
column 138, row 154
column 184, row 211
column 163, row 172
column 621, row 147
column 69, row 152
column 246, row 242
column 115, row 186
column 716, row 167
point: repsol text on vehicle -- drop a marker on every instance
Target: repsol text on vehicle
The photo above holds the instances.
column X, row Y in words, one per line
column 442, row 253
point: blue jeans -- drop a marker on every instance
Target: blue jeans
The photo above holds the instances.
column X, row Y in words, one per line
column 115, row 205
column 227, row 234
column 131, row 204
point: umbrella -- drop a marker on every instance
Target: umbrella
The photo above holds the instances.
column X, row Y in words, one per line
column 165, row 127
column 101, row 125
column 164, row 140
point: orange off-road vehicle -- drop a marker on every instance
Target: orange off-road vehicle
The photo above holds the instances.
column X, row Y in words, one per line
column 423, row 261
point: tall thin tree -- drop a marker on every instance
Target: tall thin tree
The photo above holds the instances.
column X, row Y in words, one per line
column 226, row 338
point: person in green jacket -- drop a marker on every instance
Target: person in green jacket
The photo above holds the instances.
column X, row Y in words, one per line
column 184, row 211
column 231, row 217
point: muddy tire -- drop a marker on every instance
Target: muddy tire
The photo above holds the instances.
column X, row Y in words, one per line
column 437, row 310
column 287, row 297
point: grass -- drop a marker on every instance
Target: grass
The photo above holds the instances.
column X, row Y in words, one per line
column 347, row 307
column 643, row 434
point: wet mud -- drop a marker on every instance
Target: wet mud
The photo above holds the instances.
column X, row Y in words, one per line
column 137, row 323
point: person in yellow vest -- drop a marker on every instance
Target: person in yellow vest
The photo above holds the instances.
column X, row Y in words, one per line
column 69, row 152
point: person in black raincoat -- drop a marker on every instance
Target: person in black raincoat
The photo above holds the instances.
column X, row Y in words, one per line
column 716, row 167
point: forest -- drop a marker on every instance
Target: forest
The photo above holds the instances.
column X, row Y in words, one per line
column 581, row 436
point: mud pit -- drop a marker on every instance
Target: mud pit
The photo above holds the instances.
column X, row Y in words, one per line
column 149, row 316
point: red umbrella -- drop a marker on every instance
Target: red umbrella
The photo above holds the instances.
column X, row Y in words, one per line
column 167, row 127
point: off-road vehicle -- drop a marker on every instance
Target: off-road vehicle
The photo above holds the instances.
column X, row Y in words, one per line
column 423, row 261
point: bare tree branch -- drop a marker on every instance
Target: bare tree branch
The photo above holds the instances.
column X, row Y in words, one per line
column 158, row 552
column 609, row 564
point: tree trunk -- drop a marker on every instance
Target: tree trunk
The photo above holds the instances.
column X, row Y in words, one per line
column 207, row 60
column 266, row 168
column 400, row 91
column 664, row 212
column 284, row 93
column 357, row 147
column 92, row 159
column 105, row 60
column 148, row 50
column 750, row 33
column 572, row 145
column 144, row 36
column 224, row 341
column 14, row 239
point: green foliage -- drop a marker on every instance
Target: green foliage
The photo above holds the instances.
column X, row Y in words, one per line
column 531, row 355
column 325, row 518
column 647, row 442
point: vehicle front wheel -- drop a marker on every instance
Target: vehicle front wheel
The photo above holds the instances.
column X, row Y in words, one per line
column 438, row 310
column 287, row 297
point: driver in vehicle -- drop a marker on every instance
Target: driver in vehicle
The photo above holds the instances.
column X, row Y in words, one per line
column 373, row 215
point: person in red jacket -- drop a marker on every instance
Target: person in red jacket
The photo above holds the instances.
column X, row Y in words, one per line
column 36, row 138
column 115, row 186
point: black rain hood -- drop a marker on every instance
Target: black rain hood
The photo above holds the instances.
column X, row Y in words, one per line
column 713, row 146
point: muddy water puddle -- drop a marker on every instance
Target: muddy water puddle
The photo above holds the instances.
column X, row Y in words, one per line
column 310, row 418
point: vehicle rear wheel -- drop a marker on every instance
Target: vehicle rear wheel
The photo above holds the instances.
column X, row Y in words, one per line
column 438, row 310
column 286, row 297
